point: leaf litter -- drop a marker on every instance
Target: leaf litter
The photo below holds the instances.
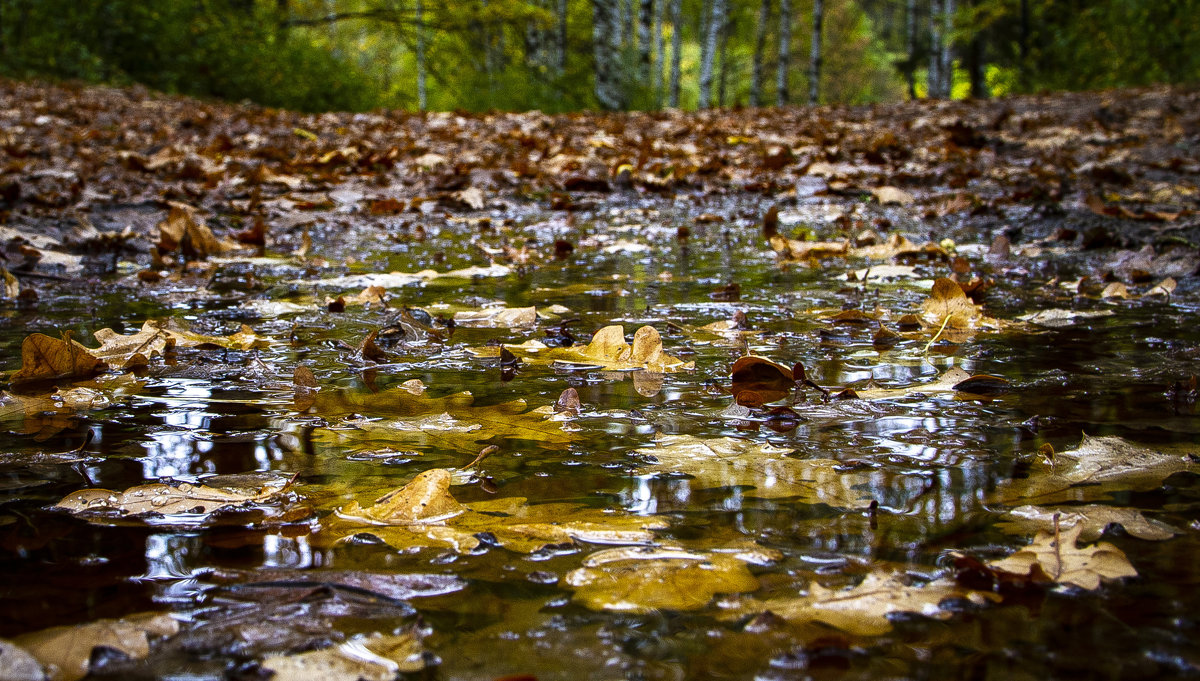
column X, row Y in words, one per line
column 659, row 237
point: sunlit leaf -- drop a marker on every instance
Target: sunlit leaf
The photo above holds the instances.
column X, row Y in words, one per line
column 371, row 657
column 66, row 652
column 1059, row 559
column 1095, row 469
column 607, row 350
column 862, row 609
column 656, row 579
column 1094, row 519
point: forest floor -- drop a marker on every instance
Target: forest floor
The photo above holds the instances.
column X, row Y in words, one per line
column 903, row 391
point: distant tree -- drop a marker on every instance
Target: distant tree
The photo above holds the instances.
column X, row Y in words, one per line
column 760, row 45
column 676, row 49
column 814, row 62
column 782, row 95
column 606, row 46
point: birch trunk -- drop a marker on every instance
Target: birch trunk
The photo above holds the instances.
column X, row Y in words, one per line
column 782, row 96
column 606, row 52
column 708, row 53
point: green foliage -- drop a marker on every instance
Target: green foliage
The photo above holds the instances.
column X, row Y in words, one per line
column 211, row 48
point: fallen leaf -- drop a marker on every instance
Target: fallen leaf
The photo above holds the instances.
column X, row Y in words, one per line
column 498, row 318
column 164, row 498
column 371, row 657
column 181, row 230
column 1163, row 288
column 1058, row 558
column 945, row 382
column 793, row 250
column 766, row 380
column 424, row 513
column 1095, row 469
column 607, row 350
column 649, row 580
column 726, row 462
column 863, row 609
column 1093, row 518
column 66, row 652
column 12, row 287
column 401, row 279
column 1061, row 317
column 892, row 195
column 44, row 358
column 1115, row 290
column 18, row 665
column 948, row 306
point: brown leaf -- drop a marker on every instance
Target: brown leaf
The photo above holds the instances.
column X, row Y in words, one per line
column 766, row 379
column 44, row 358
column 66, row 652
column 1059, row 559
column 181, row 230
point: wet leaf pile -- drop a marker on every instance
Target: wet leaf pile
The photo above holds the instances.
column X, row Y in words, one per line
column 903, row 392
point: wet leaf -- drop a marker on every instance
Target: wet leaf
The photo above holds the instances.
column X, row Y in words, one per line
column 401, row 279
column 766, row 379
column 948, row 306
column 18, row 665
column 863, row 609
column 726, row 462
column 1094, row 470
column 1060, row 560
column 607, row 350
column 1093, row 518
column 793, row 250
column 425, row 514
column 167, row 499
column 371, row 657
column 1061, row 317
column 44, row 358
column 65, row 652
column 498, row 318
column 649, row 580
column 945, row 382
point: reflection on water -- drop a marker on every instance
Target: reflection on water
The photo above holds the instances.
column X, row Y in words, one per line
column 927, row 461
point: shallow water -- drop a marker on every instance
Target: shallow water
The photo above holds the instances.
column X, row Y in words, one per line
column 929, row 461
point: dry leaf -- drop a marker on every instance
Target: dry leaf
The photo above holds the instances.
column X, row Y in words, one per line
column 793, row 250
column 44, row 358
column 1059, row 559
column 607, row 350
column 948, row 305
column 181, row 230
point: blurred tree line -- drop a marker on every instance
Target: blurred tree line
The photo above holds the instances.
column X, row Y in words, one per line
column 560, row 55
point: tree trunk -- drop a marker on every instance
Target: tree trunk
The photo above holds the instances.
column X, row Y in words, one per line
column 708, row 53
column 676, row 47
column 760, row 45
column 723, row 78
column 656, row 70
column 782, row 96
column 606, row 52
column 645, row 18
column 814, row 59
column 1023, row 47
column 947, row 57
column 422, row 93
column 910, row 67
column 560, row 54
column 934, row 79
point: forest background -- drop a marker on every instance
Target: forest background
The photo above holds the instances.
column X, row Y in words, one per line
column 562, row 55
